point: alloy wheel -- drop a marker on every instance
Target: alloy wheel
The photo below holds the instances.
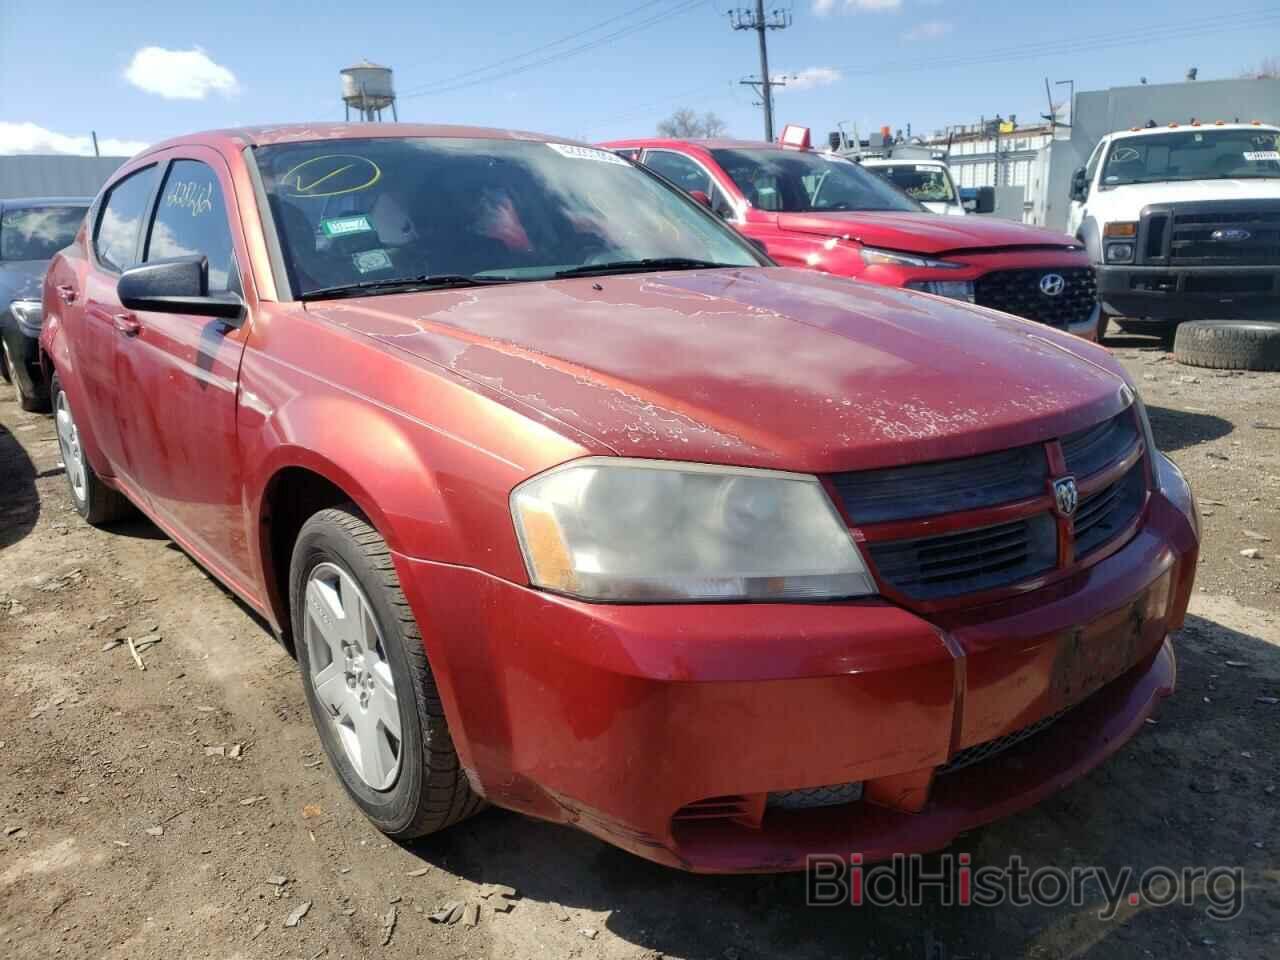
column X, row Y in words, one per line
column 69, row 444
column 350, row 674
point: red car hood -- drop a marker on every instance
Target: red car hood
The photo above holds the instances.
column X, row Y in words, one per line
column 763, row 367
column 922, row 232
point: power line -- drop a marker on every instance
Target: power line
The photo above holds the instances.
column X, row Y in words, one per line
column 1172, row 31
column 560, row 55
column 546, row 46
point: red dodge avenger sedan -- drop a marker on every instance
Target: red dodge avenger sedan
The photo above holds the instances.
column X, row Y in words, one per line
column 570, row 501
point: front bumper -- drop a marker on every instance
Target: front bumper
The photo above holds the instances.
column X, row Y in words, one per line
column 26, row 361
column 663, row 729
column 1191, row 293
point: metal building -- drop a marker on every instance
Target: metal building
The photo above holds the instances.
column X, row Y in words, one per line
column 54, row 175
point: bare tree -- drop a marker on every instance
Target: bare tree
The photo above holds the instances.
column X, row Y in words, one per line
column 1268, row 69
column 686, row 124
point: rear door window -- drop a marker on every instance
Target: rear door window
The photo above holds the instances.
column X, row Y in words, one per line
column 191, row 219
column 115, row 240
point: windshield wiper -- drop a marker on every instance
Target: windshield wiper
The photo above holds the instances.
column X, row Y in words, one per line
column 430, row 281
column 641, row 266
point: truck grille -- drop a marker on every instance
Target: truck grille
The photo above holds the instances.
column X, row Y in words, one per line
column 1018, row 292
column 1211, row 233
column 918, row 558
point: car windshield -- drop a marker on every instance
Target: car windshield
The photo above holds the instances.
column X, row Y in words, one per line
column 37, row 233
column 801, row 181
column 1193, row 154
column 923, row 182
column 372, row 212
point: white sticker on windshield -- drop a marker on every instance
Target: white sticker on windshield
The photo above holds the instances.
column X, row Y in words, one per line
column 586, row 153
column 1253, row 156
column 369, row 261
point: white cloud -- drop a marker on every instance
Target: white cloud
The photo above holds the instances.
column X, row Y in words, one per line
column 179, row 74
column 824, row 7
column 929, row 30
column 811, row 77
column 27, row 137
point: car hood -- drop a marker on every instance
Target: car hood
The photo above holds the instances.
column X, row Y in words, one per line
column 1140, row 194
column 758, row 367
column 922, row 232
column 20, row 280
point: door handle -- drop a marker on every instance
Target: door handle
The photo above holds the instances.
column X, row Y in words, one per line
column 66, row 293
column 127, row 324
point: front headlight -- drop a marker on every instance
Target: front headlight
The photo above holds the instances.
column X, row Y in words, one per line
column 1119, row 252
column 955, row 289
column 30, row 316
column 874, row 255
column 653, row 531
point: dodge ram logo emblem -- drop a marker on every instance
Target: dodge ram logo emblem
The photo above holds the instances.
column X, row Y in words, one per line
column 1065, row 496
column 1052, row 284
column 1230, row 235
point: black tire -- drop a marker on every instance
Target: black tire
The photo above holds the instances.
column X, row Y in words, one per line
column 1229, row 344
column 99, row 504
column 430, row 791
column 25, row 400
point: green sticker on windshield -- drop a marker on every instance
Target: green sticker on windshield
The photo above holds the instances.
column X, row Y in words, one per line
column 344, row 226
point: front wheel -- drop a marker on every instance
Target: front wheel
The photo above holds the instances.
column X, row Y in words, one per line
column 365, row 672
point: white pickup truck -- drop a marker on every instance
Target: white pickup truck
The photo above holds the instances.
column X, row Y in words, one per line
column 927, row 181
column 1182, row 222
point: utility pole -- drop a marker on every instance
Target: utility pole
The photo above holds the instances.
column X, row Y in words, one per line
column 745, row 19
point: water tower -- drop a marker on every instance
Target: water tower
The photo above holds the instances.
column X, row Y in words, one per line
column 367, row 88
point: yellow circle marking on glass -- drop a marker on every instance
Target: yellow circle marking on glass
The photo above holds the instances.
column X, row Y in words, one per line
column 323, row 176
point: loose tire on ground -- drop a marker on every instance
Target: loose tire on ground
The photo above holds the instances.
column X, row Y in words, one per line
column 97, row 503
column 1229, row 344
column 430, row 791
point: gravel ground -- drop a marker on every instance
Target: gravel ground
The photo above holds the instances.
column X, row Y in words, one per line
column 185, row 810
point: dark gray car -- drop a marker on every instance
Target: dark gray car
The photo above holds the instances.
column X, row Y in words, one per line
column 31, row 232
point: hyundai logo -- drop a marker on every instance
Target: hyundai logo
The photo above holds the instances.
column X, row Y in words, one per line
column 1052, row 284
column 1230, row 235
column 1066, row 497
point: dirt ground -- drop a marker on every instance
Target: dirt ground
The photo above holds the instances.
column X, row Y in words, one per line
column 185, row 811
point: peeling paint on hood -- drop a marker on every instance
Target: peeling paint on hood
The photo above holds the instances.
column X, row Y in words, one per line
column 761, row 367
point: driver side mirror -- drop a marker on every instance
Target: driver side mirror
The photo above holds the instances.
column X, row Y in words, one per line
column 179, row 285
column 702, row 197
column 1079, row 186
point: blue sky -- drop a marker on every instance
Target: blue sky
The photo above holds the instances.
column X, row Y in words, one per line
column 140, row 73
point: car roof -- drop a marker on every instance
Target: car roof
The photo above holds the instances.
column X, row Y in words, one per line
column 24, row 203
column 234, row 139
column 716, row 143
column 1202, row 125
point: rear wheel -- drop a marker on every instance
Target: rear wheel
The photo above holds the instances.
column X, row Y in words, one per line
column 93, row 499
column 367, row 680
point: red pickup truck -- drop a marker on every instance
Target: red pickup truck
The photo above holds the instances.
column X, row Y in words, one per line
column 569, row 501
column 825, row 212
